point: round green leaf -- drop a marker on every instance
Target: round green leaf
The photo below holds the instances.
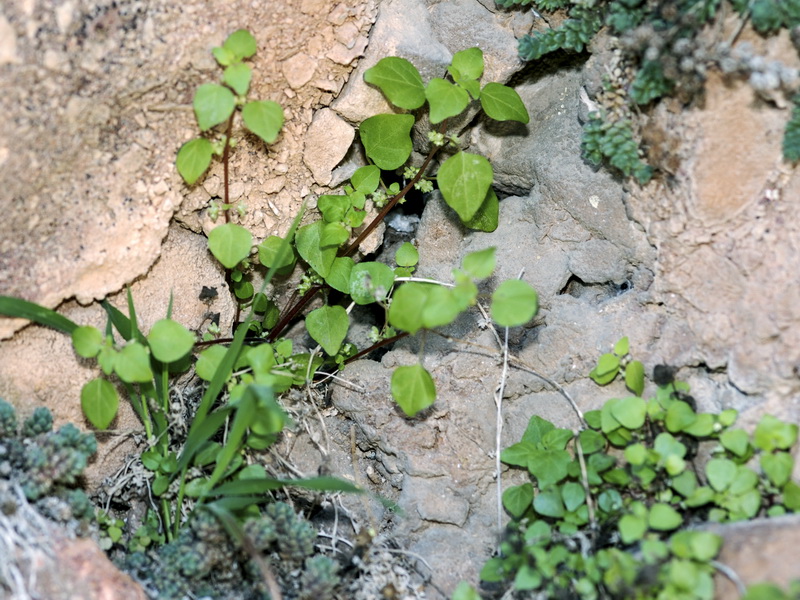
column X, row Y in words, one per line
column 445, row 99
column 404, row 311
column 720, row 473
column 632, row 528
column 230, row 244
column 549, row 504
column 370, row 282
column 777, row 467
column 591, row 441
column 406, row 255
column 328, row 327
column 208, row 361
column 630, row 412
column 237, row 76
column 241, row 44
column 480, row 264
column 468, row 63
column 387, row 140
column 87, row 341
column 309, row 245
column 440, row 308
column 622, row 347
column 465, row 591
column 772, row 433
column 264, row 118
column 193, row 160
column 464, row 180
column 413, row 389
column 549, row 466
column 169, row 340
column 99, row 401
column 133, row 364
column 339, row 276
column 366, row 179
column 488, row 215
column 399, row 81
column 517, row 499
column 573, row 495
column 634, row 377
column 275, row 253
column 213, row 104
column 735, row 440
column 663, row 517
column 791, row 496
column 514, row 302
column 679, row 416
column 503, row 103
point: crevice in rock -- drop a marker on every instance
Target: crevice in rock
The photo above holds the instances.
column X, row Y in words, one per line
column 594, row 292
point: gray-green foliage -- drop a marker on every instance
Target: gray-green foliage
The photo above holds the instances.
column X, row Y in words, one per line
column 664, row 63
column 624, row 495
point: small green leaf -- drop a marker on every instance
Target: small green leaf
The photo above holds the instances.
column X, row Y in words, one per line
column 679, row 416
column 720, row 473
column 264, row 118
column 87, row 341
column 399, row 81
column 464, row 180
column 445, row 99
column 413, row 389
column 622, row 347
column 224, row 56
column 791, row 496
column 230, row 244
column 634, row 377
column 517, row 499
column 275, row 253
column 237, row 76
column 370, row 282
column 591, row 441
column 333, row 208
column 630, row 412
column 334, row 234
column 241, row 44
column 487, row 217
column 468, row 63
column 366, row 179
column 387, row 139
column 549, row 466
column 728, row 417
column 440, row 308
column 735, row 440
column 536, row 430
column 632, row 528
column 99, row 401
column 549, row 504
column 777, row 467
column 480, row 264
column 133, row 364
column 328, row 327
column 407, row 255
column 514, row 302
column 404, row 311
column 213, row 104
column 703, row 426
column 339, row 276
column 465, row 591
column 311, row 249
column 663, row 517
column 193, row 160
column 772, row 433
column 573, row 495
column 519, row 454
column 208, row 361
column 503, row 103
column 170, row 341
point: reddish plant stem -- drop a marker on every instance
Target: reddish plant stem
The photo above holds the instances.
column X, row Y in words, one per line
column 225, row 160
column 377, row 345
column 292, row 312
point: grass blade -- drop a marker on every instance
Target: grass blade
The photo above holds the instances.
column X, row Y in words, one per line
column 22, row 309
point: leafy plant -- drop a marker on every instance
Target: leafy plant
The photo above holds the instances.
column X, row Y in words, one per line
column 613, row 510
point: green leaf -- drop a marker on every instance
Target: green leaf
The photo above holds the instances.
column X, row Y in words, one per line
column 720, row 473
column 464, row 591
column 170, row 341
column 339, row 276
column 334, row 234
column 735, row 440
column 224, row 56
column 404, row 311
column 464, row 180
column 413, row 389
column 703, row 426
column 310, row 247
column 519, row 454
column 663, row 517
column 503, row 103
column 366, row 179
column 622, row 347
column 22, row 309
column 573, row 495
column 241, row 44
column 772, row 433
column 237, row 76
column 548, row 504
column 230, row 244
column 276, row 253
column 440, row 308
column 634, row 377
column 133, row 364
column 480, row 264
column 370, row 282
column 193, row 160
column 549, row 466
column 632, row 528
column 99, row 401
column 630, row 412
column 387, row 139
column 488, row 215
column 213, row 104
column 591, row 441
column 791, row 496
column 87, row 341
column 208, row 361
column 514, row 302
column 517, row 499
column 328, row 327
column 406, row 255
column 777, row 467
column 728, row 417
column 679, row 416
column 468, row 63
column 536, row 430
column 399, row 81
column 264, row 118
column 445, row 99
